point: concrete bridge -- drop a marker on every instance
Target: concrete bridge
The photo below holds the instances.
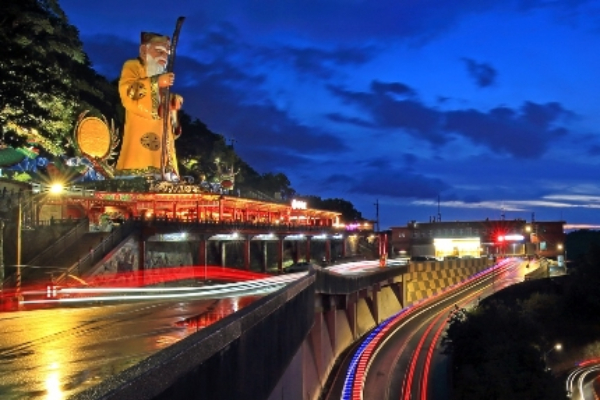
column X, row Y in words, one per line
column 285, row 345
column 281, row 347
column 71, row 249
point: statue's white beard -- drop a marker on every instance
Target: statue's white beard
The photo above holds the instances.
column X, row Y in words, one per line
column 153, row 67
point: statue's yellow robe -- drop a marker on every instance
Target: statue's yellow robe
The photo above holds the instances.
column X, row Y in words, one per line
column 142, row 137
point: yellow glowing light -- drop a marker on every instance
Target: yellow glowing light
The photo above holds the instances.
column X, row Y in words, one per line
column 56, row 188
column 53, row 387
column 457, row 246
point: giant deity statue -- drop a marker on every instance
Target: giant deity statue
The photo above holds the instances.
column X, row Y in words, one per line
column 142, row 84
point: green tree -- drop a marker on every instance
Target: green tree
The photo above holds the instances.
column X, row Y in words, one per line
column 349, row 213
column 583, row 296
column 46, row 77
column 577, row 243
column 495, row 356
column 202, row 153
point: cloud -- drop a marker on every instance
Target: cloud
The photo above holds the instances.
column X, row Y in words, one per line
column 398, row 184
column 387, row 106
column 594, row 150
column 313, row 61
column 108, row 52
column 483, row 74
column 357, row 121
column 524, row 133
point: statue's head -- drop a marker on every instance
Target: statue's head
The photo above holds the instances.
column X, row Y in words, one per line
column 154, row 52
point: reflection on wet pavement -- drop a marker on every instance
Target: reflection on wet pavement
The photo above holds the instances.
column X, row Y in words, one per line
column 55, row 354
column 216, row 312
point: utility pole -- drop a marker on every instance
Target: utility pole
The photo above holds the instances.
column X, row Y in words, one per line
column 1, row 256
column 19, row 226
column 377, row 214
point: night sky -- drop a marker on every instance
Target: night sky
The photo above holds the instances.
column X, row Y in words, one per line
column 490, row 106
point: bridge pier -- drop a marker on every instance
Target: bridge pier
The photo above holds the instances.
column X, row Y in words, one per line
column 223, row 252
column 265, row 256
column 372, row 302
column 280, row 253
column 202, row 252
column 350, row 306
column 294, row 251
column 247, row 253
column 141, row 251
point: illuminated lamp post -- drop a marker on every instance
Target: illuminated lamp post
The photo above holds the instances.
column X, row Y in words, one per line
column 1, row 258
column 557, row 347
column 55, row 189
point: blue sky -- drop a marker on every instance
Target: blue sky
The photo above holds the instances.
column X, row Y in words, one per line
column 492, row 106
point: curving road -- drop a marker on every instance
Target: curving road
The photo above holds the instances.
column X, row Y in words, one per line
column 55, row 353
column 402, row 358
column 55, row 348
column 583, row 383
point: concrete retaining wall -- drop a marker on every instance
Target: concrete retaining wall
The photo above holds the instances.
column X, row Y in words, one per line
column 330, row 336
column 239, row 357
column 431, row 277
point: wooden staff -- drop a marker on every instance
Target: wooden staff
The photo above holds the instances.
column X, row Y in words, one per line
column 164, row 156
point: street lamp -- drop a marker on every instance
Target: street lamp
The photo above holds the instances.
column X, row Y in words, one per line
column 55, row 189
column 1, row 257
column 557, row 347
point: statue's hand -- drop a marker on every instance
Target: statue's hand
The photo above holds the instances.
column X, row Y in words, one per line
column 166, row 80
column 176, row 102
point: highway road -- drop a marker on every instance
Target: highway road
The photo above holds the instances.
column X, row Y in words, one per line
column 402, row 358
column 55, row 348
column 54, row 353
column 583, row 383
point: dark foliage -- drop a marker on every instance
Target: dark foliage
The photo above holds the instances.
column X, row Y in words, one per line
column 46, row 81
column 577, row 243
column 496, row 355
column 46, row 78
column 349, row 213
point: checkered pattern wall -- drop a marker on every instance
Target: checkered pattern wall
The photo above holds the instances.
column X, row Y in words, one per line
column 429, row 278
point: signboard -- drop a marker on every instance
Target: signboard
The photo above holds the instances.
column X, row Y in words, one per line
column 298, row 205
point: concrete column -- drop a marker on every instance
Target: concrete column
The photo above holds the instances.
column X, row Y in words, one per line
column 316, row 340
column 331, row 320
column 223, row 253
column 308, row 238
column 202, row 260
column 280, row 254
column 265, row 255
column 247, row 253
column 1, row 256
column 221, row 208
column 141, row 252
column 375, row 299
column 350, row 309
column 295, row 251
column 328, row 250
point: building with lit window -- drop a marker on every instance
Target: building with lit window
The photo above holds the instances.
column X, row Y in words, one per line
column 465, row 239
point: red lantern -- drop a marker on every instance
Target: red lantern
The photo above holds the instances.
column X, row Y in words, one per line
column 226, row 184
